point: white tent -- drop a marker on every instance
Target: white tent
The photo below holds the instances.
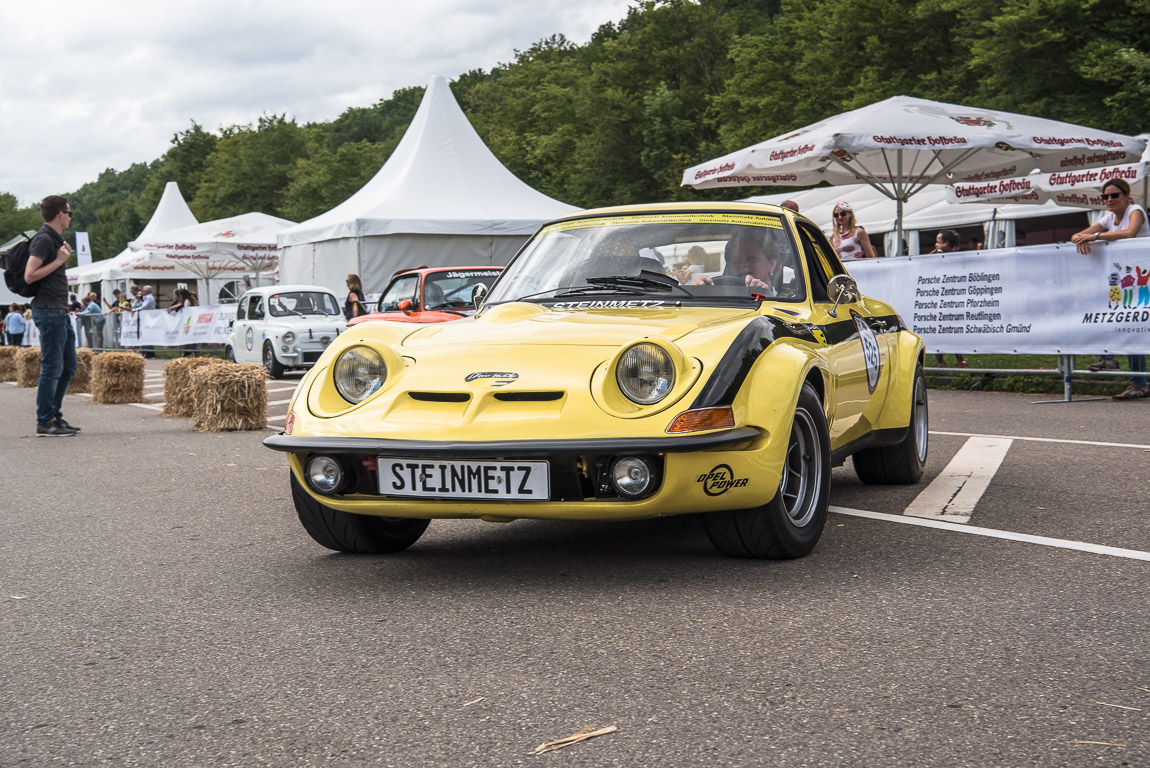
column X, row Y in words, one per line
column 237, row 244
column 441, row 199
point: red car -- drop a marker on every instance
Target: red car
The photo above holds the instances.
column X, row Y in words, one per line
column 430, row 295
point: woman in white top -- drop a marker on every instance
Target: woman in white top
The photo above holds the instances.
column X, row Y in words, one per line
column 849, row 239
column 1124, row 218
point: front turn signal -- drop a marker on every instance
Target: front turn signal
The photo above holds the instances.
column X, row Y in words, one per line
column 703, row 418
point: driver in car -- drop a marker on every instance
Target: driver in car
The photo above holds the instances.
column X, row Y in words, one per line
column 754, row 259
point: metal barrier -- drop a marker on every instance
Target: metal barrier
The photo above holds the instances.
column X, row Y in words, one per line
column 1065, row 369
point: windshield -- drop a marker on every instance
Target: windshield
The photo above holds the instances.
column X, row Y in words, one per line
column 725, row 258
column 303, row 303
column 452, row 289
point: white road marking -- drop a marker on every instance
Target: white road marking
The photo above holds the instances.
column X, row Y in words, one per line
column 1046, row 541
column 149, row 406
column 280, row 389
column 280, row 402
column 955, row 492
column 1048, row 440
column 277, row 418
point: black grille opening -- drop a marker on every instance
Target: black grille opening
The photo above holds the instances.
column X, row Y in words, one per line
column 528, row 397
column 440, row 397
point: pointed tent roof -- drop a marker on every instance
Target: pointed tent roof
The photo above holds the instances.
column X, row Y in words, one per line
column 441, row 179
column 172, row 212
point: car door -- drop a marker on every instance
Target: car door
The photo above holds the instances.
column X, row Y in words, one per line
column 249, row 329
column 856, row 358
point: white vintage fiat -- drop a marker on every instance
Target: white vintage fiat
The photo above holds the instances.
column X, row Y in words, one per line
column 284, row 326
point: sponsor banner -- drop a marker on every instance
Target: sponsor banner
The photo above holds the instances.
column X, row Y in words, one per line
column 191, row 325
column 1041, row 299
column 83, row 249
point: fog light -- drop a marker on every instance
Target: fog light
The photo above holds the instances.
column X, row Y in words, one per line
column 631, row 476
column 324, row 475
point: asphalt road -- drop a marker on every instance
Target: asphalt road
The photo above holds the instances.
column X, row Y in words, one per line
column 162, row 606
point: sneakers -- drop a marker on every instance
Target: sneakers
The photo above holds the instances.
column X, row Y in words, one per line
column 66, row 425
column 54, row 428
column 1103, row 364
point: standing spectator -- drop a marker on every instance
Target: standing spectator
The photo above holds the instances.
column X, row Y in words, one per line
column 47, row 261
column 848, row 238
column 1123, row 219
column 790, row 204
column 353, row 305
column 185, row 298
column 946, row 241
column 92, row 319
column 146, row 301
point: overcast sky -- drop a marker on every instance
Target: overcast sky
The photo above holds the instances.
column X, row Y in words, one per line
column 86, row 86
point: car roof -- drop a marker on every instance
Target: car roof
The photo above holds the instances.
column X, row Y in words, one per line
column 265, row 290
column 429, row 270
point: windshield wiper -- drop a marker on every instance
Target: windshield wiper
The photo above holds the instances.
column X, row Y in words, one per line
column 645, row 279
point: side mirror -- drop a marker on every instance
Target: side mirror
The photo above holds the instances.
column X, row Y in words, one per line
column 842, row 288
column 405, row 307
column 478, row 294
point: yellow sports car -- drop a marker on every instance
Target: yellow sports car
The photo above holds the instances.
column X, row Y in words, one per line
column 630, row 362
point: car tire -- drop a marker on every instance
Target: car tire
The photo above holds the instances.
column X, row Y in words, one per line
column 790, row 524
column 229, row 354
column 354, row 534
column 902, row 463
column 273, row 366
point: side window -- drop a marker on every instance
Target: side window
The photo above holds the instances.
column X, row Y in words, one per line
column 822, row 261
column 241, row 311
column 403, row 288
column 256, row 308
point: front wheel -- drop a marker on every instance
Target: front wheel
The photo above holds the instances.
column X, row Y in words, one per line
column 790, row 524
column 273, row 366
column 902, row 463
column 355, row 534
column 229, row 354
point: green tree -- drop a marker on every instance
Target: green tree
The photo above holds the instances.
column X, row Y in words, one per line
column 14, row 220
column 322, row 180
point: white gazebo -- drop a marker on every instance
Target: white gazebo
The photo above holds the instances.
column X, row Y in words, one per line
column 441, row 199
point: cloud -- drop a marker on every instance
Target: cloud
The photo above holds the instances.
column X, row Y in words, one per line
column 92, row 86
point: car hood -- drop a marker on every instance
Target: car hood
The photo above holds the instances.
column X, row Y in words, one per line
column 522, row 324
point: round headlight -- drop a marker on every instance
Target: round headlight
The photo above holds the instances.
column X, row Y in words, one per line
column 288, row 337
column 631, row 476
column 324, row 474
column 359, row 371
column 645, row 373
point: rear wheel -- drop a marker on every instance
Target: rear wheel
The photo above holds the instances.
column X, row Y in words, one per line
column 271, row 364
column 790, row 524
column 356, row 534
column 900, row 464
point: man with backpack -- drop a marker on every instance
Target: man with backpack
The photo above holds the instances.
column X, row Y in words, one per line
column 47, row 259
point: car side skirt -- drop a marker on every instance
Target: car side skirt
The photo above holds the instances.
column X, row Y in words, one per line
column 876, row 439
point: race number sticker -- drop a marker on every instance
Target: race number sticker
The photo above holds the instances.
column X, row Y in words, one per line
column 871, row 355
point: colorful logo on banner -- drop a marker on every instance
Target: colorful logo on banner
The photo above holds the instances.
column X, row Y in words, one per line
column 1128, row 286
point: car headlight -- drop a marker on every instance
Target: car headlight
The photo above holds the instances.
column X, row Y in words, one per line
column 359, row 371
column 288, row 337
column 645, row 373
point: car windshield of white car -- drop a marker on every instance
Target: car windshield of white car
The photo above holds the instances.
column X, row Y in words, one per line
column 706, row 258
column 302, row 303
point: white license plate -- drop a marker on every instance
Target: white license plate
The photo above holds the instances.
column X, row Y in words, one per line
column 479, row 479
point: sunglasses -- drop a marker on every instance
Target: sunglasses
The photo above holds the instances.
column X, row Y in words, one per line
column 69, row 211
column 842, row 215
column 1111, row 195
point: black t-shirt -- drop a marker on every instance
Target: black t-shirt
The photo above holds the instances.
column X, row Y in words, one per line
column 53, row 291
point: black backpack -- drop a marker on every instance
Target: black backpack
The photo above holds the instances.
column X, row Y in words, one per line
column 15, row 260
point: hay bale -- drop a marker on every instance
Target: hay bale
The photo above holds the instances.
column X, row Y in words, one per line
column 229, row 398
column 81, row 381
column 179, row 396
column 28, row 367
column 118, row 377
column 8, row 363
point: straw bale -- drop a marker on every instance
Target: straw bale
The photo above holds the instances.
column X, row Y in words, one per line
column 28, row 367
column 118, row 377
column 81, row 381
column 229, row 397
column 8, row 363
column 179, row 397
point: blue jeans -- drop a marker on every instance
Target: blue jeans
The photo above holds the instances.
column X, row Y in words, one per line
column 1137, row 365
column 57, row 361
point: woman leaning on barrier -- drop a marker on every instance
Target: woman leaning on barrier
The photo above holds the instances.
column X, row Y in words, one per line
column 1123, row 219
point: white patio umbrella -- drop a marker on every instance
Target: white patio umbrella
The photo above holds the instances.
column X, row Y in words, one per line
column 902, row 144
column 240, row 243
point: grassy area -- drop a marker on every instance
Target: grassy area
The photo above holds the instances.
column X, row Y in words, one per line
column 1051, row 384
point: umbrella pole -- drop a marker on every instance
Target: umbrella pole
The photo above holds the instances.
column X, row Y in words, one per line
column 898, row 205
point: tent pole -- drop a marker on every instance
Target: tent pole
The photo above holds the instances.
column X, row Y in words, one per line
column 898, row 206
